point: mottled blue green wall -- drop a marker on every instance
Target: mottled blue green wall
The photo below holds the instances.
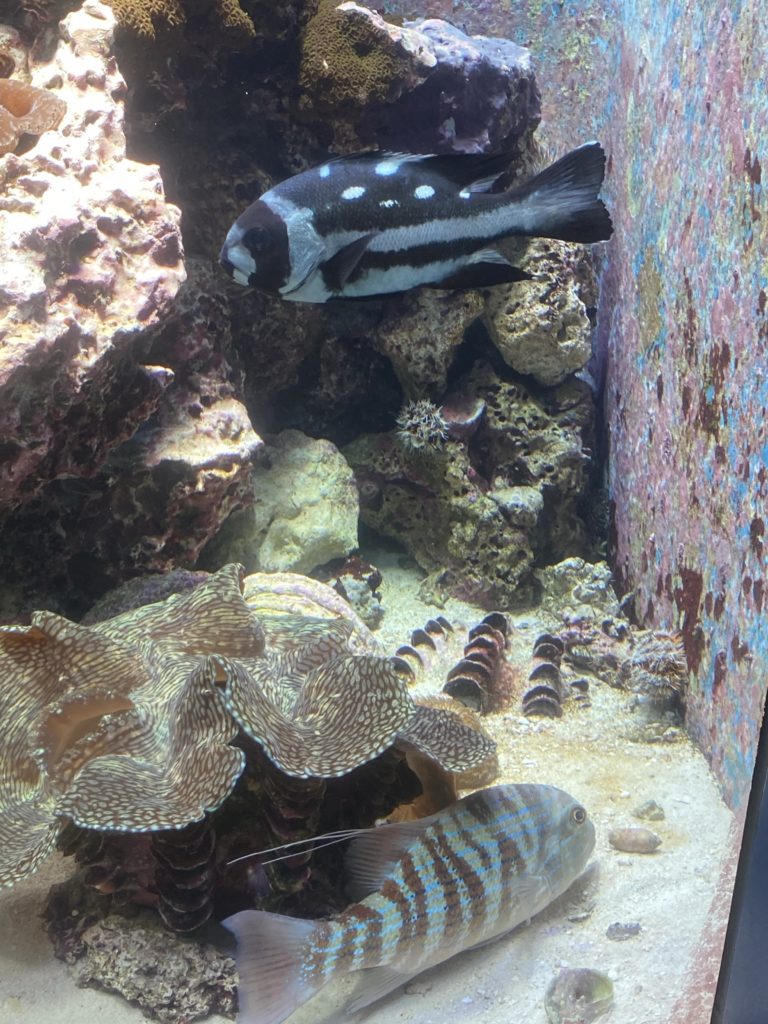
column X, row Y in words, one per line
column 677, row 93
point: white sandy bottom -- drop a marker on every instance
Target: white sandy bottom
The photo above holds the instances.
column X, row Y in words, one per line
column 668, row 893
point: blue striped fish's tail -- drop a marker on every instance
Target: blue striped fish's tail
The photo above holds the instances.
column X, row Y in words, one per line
column 271, row 951
column 562, row 201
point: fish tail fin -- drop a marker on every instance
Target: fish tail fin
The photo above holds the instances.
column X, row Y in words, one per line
column 271, row 951
column 561, row 202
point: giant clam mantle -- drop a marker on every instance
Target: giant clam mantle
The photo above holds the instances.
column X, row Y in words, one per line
column 133, row 733
column 25, row 110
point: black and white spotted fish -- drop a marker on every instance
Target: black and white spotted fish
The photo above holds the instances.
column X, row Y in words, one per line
column 380, row 223
column 428, row 889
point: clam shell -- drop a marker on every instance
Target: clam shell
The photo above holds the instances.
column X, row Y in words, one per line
column 578, row 996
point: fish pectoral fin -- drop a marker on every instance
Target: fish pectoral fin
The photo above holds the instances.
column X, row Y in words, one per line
column 484, row 268
column 338, row 269
column 528, row 894
column 375, row 983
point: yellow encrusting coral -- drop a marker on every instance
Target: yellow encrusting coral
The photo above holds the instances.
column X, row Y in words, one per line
column 344, row 59
column 140, row 15
column 143, row 15
column 234, row 17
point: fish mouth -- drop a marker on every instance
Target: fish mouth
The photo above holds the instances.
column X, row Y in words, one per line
column 237, row 263
column 235, row 257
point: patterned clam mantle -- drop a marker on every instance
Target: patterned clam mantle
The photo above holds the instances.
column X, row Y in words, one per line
column 129, row 725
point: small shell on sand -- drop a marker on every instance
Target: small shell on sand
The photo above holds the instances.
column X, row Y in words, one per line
column 578, row 994
column 634, row 840
column 650, row 810
column 620, row 931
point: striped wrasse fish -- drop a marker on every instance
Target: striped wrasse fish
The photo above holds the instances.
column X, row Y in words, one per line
column 426, row 890
column 378, row 223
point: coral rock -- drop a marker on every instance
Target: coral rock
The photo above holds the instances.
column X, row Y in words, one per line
column 431, row 501
column 576, row 589
column 422, row 87
column 541, row 327
column 352, row 56
column 304, row 512
column 534, row 440
column 91, row 257
column 159, row 496
column 169, row 978
column 479, row 513
column 14, row 58
column 420, row 354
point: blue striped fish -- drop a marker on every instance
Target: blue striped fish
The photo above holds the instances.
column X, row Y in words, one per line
column 425, row 890
column 380, row 223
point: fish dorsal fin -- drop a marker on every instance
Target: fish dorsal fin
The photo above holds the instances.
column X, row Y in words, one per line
column 471, row 172
column 338, row 269
column 381, row 154
column 475, row 172
column 373, row 856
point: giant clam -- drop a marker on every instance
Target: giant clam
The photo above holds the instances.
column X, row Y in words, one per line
column 145, row 722
column 26, row 110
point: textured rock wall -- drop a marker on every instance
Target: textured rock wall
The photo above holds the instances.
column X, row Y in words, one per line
column 91, row 254
column 676, row 92
column 684, row 301
column 123, row 441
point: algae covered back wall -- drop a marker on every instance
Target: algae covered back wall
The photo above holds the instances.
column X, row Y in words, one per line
column 677, row 94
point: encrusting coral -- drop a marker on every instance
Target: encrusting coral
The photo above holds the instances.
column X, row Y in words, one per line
column 347, row 59
column 128, row 725
column 142, row 15
column 26, row 110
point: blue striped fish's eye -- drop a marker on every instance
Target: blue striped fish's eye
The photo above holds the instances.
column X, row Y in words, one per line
column 578, row 815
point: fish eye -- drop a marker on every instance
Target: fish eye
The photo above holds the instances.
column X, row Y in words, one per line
column 257, row 239
column 578, row 815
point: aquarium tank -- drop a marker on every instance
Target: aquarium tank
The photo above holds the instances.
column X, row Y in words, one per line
column 383, row 472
